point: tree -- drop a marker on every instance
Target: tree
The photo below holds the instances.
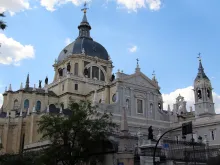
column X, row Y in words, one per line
column 2, row 24
column 214, row 160
column 75, row 137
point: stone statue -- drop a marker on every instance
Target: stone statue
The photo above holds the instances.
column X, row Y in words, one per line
column 68, row 67
column 150, row 133
column 40, row 83
column 86, row 72
column 46, row 80
column 83, row 51
column 113, row 77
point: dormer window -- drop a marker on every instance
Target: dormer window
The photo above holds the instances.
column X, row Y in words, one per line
column 65, row 51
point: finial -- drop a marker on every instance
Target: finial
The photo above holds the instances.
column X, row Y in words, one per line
column 21, row 86
column 6, row 89
column 27, row 81
column 85, row 8
column 199, row 57
column 34, row 89
column 153, row 74
column 10, row 88
column 55, row 61
column 137, row 62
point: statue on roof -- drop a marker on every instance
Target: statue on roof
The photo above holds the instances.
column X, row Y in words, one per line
column 150, row 133
column 113, row 77
column 68, row 67
column 40, row 83
column 46, row 80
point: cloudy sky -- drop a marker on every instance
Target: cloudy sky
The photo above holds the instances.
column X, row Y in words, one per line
column 165, row 35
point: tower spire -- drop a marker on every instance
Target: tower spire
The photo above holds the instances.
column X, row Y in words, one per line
column 27, row 81
column 84, row 27
column 201, row 74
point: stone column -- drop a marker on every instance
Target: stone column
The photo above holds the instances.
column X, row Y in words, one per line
column 19, row 134
column 5, row 134
column 31, row 128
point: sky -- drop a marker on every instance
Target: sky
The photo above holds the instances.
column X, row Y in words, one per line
column 165, row 35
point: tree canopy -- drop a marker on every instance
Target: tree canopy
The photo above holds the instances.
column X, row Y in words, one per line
column 76, row 136
column 2, row 23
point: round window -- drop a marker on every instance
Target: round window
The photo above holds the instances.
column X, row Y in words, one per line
column 114, row 98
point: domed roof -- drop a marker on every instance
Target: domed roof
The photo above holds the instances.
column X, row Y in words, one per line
column 84, row 44
column 90, row 47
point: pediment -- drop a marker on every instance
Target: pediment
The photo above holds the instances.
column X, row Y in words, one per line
column 141, row 80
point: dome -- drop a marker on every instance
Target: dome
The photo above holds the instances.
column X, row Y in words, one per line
column 84, row 44
column 90, row 47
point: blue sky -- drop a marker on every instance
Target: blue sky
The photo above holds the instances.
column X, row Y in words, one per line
column 165, row 35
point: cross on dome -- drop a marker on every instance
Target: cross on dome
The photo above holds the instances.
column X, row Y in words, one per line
column 199, row 57
column 85, row 8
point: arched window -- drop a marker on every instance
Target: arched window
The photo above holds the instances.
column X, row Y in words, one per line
column 15, row 104
column 62, row 105
column 60, row 70
column 208, row 93
column 199, row 94
column 159, row 106
column 76, row 68
column 151, row 108
column 127, row 103
column 38, row 106
column 102, row 77
column 26, row 104
column 52, row 106
column 95, row 72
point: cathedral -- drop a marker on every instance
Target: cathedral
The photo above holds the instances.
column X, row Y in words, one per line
column 83, row 71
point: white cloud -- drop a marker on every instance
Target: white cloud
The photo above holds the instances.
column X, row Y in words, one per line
column 51, row 4
column 133, row 49
column 13, row 6
column 133, row 5
column 154, row 4
column 12, row 52
column 188, row 95
column 67, row 41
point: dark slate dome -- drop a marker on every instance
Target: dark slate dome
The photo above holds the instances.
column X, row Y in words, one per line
column 84, row 44
column 90, row 47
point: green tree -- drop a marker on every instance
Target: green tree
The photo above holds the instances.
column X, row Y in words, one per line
column 75, row 137
column 2, row 24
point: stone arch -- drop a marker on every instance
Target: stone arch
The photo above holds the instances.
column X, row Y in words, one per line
column 89, row 66
column 38, row 106
column 15, row 105
column 26, row 104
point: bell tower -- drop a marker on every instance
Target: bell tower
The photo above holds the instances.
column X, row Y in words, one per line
column 204, row 105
